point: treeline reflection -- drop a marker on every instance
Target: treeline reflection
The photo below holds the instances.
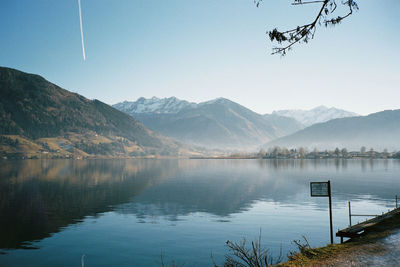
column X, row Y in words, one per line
column 38, row 198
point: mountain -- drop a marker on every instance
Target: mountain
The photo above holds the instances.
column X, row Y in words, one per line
column 219, row 123
column 286, row 124
column 315, row 115
column 378, row 130
column 41, row 117
column 154, row 105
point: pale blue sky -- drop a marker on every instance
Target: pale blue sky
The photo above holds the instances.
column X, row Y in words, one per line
column 202, row 49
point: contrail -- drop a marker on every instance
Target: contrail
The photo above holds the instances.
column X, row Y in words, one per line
column 80, row 20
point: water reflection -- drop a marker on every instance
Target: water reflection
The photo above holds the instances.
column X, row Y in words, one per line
column 39, row 198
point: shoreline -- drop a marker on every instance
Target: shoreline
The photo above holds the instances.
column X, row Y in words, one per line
column 250, row 157
column 28, row 157
column 360, row 251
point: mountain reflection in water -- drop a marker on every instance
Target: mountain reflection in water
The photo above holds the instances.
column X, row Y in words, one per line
column 41, row 197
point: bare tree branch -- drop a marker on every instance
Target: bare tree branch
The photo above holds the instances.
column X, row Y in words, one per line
column 303, row 34
column 309, row 2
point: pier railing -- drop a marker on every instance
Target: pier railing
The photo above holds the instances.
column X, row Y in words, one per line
column 359, row 228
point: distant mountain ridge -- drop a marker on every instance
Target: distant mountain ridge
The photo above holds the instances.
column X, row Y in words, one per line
column 315, row 115
column 378, row 131
column 154, row 105
column 49, row 119
column 219, row 123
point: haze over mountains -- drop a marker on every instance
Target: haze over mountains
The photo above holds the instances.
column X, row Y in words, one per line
column 315, row 115
column 217, row 124
column 379, row 131
column 38, row 117
column 220, row 123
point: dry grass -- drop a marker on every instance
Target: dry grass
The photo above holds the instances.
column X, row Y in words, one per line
column 350, row 253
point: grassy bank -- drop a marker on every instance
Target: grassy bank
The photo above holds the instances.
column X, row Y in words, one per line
column 349, row 253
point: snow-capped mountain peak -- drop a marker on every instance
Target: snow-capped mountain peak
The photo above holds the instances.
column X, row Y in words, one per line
column 316, row 115
column 154, row 105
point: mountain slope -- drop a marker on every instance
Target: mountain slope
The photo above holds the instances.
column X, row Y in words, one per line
column 315, row 115
column 34, row 108
column 378, row 130
column 219, row 123
column 286, row 124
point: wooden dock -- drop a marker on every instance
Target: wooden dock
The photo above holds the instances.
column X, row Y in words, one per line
column 358, row 229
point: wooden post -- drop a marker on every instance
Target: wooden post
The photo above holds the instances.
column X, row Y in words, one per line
column 349, row 214
column 330, row 209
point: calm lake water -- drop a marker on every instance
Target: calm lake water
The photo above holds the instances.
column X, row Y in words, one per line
column 130, row 212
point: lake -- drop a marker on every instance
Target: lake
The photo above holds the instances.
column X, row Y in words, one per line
column 130, row 212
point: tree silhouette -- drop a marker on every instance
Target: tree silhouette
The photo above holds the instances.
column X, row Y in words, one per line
column 326, row 16
column 344, row 152
column 337, row 152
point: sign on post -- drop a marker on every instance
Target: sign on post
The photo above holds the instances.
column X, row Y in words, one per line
column 319, row 189
column 323, row 189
